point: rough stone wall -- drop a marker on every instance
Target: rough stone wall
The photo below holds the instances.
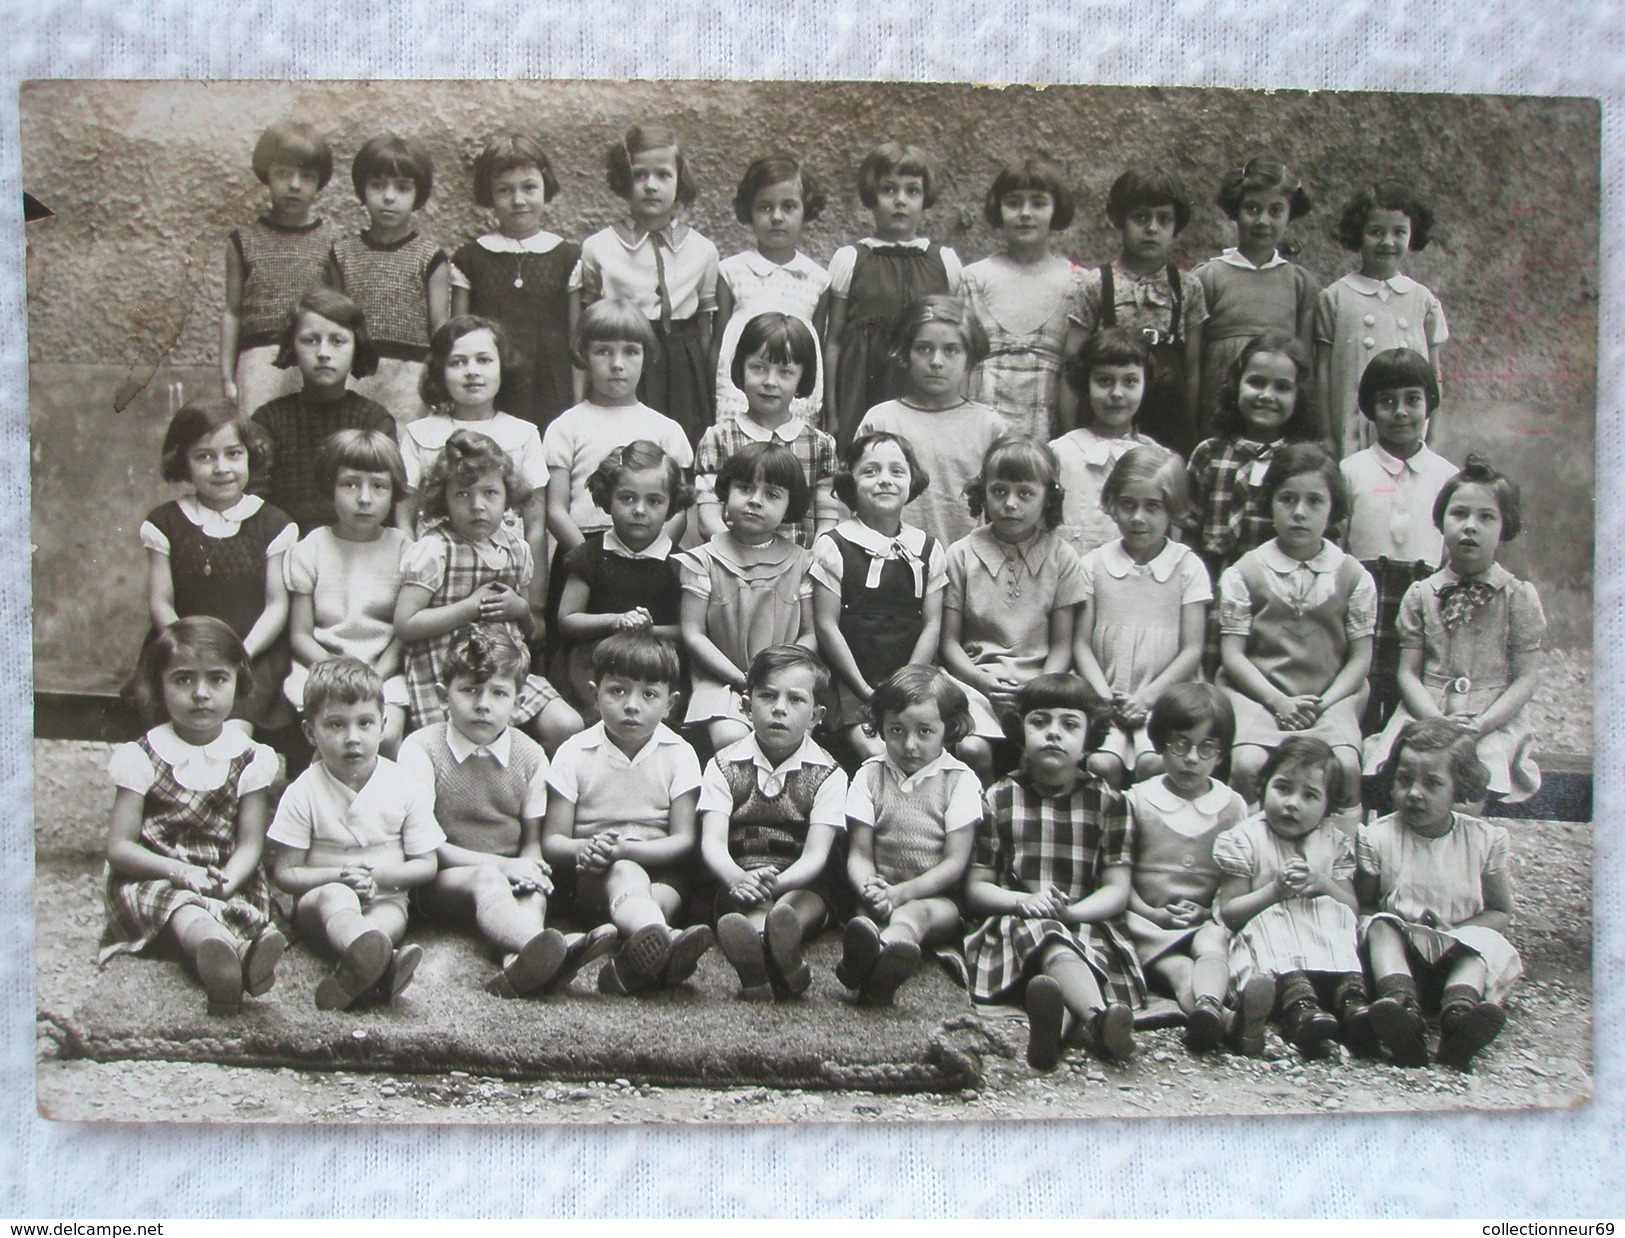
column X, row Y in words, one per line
column 125, row 283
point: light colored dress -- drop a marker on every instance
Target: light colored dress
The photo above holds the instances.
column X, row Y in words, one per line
column 1466, row 667
column 1005, row 594
column 1025, row 311
column 1245, row 301
column 753, row 597
column 1442, row 877
column 949, row 445
column 1173, row 856
column 1359, row 317
column 1138, row 609
column 1316, row 933
column 579, row 438
column 352, row 588
column 760, row 286
column 1086, row 458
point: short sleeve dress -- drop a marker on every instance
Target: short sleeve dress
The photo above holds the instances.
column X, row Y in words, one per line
column 352, row 588
column 1442, row 877
column 1245, row 301
column 1173, row 856
column 761, row 286
column 949, row 444
column 190, row 795
column 1085, row 460
column 1467, row 662
column 753, row 597
column 1314, row 934
column 1031, row 839
column 1026, row 312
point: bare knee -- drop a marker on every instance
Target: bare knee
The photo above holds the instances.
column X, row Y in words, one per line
column 1245, row 762
column 1148, row 766
column 977, row 753
column 725, row 731
column 1107, row 768
column 555, row 724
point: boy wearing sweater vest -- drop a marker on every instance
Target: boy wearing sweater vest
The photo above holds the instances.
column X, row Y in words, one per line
column 488, row 784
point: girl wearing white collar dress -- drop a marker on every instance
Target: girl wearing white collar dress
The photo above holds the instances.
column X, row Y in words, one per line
column 1374, row 309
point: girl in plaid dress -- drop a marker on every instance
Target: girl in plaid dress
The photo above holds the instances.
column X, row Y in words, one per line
column 1051, row 871
column 471, row 566
column 188, row 824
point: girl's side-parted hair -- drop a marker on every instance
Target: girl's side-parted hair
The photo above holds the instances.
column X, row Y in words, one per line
column 1393, row 368
column 938, row 307
column 505, row 152
column 776, row 465
column 775, row 169
column 1228, row 423
column 640, row 138
column 195, row 421
column 338, row 309
column 467, row 456
column 636, row 457
column 1035, row 173
column 1384, row 195
column 613, row 320
column 1469, row 777
column 914, row 685
column 1297, row 752
column 367, row 451
column 392, row 155
column 895, row 159
column 1479, row 472
column 782, row 339
column 198, row 635
column 1108, row 346
column 432, row 389
column 1148, row 186
column 846, row 486
column 1155, row 464
column 1015, row 457
column 295, row 142
column 1299, row 459
column 1264, row 174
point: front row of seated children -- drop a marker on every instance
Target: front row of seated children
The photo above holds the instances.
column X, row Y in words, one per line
column 1074, row 896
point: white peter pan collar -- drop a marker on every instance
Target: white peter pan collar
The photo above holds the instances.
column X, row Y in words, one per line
column 1278, row 561
column 199, row 767
column 660, row 548
column 1365, row 285
column 220, row 525
column 910, row 538
column 462, row 747
column 1393, row 465
column 800, row 266
column 1165, row 799
column 1118, row 563
column 758, row 433
column 540, row 242
column 921, row 243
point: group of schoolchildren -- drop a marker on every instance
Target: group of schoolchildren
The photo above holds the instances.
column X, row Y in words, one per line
column 960, row 524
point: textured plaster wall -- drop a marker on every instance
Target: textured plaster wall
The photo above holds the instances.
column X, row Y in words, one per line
column 125, row 283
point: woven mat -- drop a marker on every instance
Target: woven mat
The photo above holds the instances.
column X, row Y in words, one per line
column 699, row 1034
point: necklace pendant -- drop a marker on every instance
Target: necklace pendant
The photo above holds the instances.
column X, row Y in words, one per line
column 518, row 281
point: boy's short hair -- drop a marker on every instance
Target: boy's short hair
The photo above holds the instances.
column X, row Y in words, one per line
column 504, row 153
column 487, row 651
column 391, row 155
column 613, row 320
column 776, row 658
column 895, row 159
column 1304, row 752
column 637, row 655
column 777, row 465
column 294, row 142
column 1186, row 706
column 1033, row 174
column 1109, row 346
column 1477, row 471
column 1392, row 369
column 341, row 681
column 640, row 138
column 1148, row 186
column 200, row 418
column 846, row 485
column 1053, row 691
column 635, row 457
column 333, row 305
column 367, row 451
column 782, row 339
column 1385, row 195
column 914, row 684
column 774, row 170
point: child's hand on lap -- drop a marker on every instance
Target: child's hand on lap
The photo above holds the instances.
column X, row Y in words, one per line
column 599, row 852
column 192, row 877
column 527, row 876
column 361, row 881
column 1044, row 905
column 1298, row 713
column 877, row 897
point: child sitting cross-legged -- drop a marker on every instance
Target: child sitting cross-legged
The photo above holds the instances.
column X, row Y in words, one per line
column 620, row 826
column 352, row 837
column 771, row 807
column 487, row 781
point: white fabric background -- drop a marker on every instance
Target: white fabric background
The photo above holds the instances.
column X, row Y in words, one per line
column 1536, row 1165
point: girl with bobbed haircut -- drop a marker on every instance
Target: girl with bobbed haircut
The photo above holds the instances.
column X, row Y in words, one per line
column 1148, row 186
column 1479, row 472
column 1154, row 464
column 846, row 487
column 915, row 684
column 776, row 169
column 781, row 339
column 1384, row 195
column 640, row 138
column 337, row 308
column 197, row 420
column 636, row 458
column 293, row 142
column 895, row 159
column 467, row 456
column 390, row 155
column 1392, row 369
column 1264, row 174
column 938, row 307
column 1186, row 706
column 1016, row 458
column 1109, row 346
column 1297, row 459
column 1229, row 422
column 432, row 386
column 1062, row 690
column 366, row 451
column 1469, row 777
column 201, row 636
column 773, row 463
column 613, row 320
column 505, row 152
column 1035, row 174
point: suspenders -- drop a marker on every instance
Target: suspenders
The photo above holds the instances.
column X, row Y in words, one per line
column 1153, row 335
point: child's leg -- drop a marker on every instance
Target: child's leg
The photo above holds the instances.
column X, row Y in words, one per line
column 1107, row 767
column 555, row 724
column 1348, row 759
column 725, row 731
column 863, row 744
column 650, row 951
column 1107, row 1027
column 1245, row 762
column 1396, row 1015
column 977, row 753
column 1200, row 981
column 917, row 923
column 394, row 731
column 1303, row 1022
column 212, row 951
column 1467, row 1023
column 515, row 924
column 739, row 937
column 795, row 916
column 333, row 913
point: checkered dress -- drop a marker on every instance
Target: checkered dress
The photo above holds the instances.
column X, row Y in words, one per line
column 1392, row 577
column 1232, row 516
column 1030, row 840
column 814, row 451
column 195, row 827
column 464, row 572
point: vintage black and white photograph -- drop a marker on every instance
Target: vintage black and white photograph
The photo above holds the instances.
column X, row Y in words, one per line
column 750, row 602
